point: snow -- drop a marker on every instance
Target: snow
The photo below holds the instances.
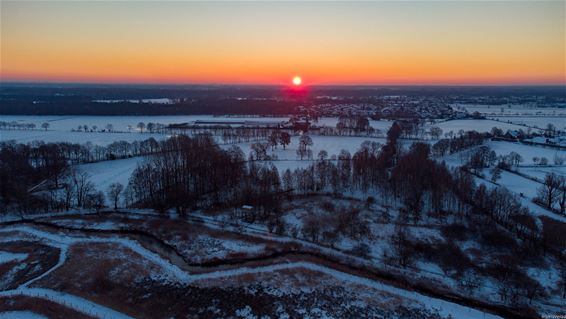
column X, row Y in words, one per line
column 246, row 313
column 444, row 307
column 480, row 126
column 63, row 241
column 67, row 300
column 204, row 247
column 102, row 174
column 153, row 101
column 540, row 121
column 96, row 138
column 6, row 257
column 517, row 184
column 526, row 201
column 60, row 127
column 20, row 315
column 60, row 262
column 120, row 123
column 541, row 171
column 512, row 109
column 526, row 151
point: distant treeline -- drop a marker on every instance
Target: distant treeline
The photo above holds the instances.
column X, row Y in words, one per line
column 77, row 99
column 200, row 107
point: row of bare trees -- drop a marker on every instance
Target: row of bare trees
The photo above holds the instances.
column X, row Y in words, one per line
column 552, row 193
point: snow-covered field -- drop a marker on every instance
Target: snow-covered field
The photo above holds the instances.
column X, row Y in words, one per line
column 154, row 101
column 102, row 174
column 95, row 138
column 480, row 126
column 125, row 127
column 541, row 122
column 120, row 123
column 511, row 109
column 541, row 171
column 526, row 151
column 517, row 184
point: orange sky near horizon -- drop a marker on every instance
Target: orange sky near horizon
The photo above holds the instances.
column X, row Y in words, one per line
column 436, row 42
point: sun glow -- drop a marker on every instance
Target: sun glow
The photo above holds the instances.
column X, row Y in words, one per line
column 297, row 81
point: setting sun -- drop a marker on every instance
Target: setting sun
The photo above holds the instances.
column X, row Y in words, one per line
column 297, row 81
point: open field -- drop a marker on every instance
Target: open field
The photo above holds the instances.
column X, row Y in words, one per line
column 480, row 126
column 541, row 122
column 512, row 110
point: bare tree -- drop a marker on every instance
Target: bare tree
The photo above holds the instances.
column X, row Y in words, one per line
column 273, row 139
column 45, row 125
column 549, row 191
column 311, row 228
column 402, row 247
column 82, row 187
column 435, row 132
column 114, row 191
column 562, row 195
column 304, row 143
column 284, row 139
column 495, row 174
column 150, row 127
column 141, row 126
column 95, row 201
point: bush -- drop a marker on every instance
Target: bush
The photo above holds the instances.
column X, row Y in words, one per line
column 361, row 250
column 499, row 239
column 448, row 256
column 453, row 232
column 328, row 206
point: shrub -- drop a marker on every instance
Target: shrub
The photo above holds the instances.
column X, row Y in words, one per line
column 361, row 250
column 455, row 232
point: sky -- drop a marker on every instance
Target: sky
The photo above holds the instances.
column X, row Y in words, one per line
column 269, row 42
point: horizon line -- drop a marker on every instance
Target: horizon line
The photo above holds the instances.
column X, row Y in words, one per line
column 227, row 84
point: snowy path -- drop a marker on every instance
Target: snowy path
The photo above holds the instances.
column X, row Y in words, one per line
column 77, row 303
column 444, row 307
column 20, row 315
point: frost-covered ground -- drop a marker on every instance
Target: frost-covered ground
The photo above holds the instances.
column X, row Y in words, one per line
column 102, row 174
column 125, row 127
column 511, row 109
column 8, row 257
column 120, row 123
column 515, row 186
column 542, row 121
column 516, row 183
column 75, row 246
column 481, row 126
column 527, row 152
column 96, row 138
column 541, row 171
column 20, row 315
